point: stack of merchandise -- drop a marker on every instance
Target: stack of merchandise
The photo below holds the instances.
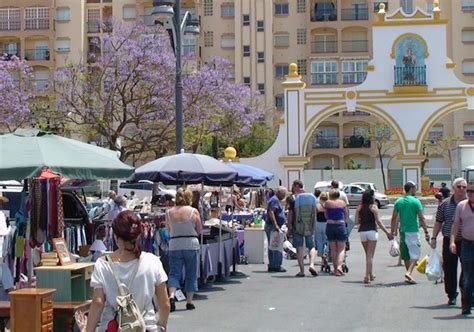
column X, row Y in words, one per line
column 49, row 258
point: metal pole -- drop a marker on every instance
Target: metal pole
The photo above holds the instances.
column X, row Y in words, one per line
column 179, row 83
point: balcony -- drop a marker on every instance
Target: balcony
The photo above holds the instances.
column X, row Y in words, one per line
column 37, row 54
column 355, row 14
column 93, row 27
column 324, row 15
column 356, row 142
column 355, row 46
column 10, row 52
column 37, row 24
column 11, row 25
column 326, row 142
column 410, row 75
column 324, row 46
column 41, row 84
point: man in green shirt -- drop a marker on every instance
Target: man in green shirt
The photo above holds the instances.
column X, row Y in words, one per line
column 410, row 211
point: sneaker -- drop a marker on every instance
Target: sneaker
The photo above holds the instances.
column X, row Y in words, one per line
column 466, row 312
column 172, row 304
column 190, row 306
column 452, row 301
column 279, row 270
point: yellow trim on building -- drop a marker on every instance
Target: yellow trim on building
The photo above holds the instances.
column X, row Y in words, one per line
column 451, row 65
column 406, row 22
column 410, row 89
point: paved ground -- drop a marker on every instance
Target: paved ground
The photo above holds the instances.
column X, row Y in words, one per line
column 255, row 300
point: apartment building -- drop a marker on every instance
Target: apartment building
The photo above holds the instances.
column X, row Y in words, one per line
column 330, row 40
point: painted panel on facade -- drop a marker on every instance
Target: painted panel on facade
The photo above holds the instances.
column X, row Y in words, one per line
column 410, row 51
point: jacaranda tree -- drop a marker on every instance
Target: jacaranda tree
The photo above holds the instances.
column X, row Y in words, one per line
column 123, row 96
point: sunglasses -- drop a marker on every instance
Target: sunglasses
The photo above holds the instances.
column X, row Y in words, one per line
column 461, row 187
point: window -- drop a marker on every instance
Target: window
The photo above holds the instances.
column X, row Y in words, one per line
column 301, row 36
column 93, row 20
column 281, row 70
column 468, row 5
column 468, row 36
column 129, row 13
column 261, row 88
column 407, row 6
column 189, row 46
column 247, row 81
column 227, row 41
column 302, row 66
column 9, row 19
column 208, row 39
column 429, row 6
column 279, row 101
column 37, row 18
column 260, row 26
column 469, row 130
column 63, row 14
column 260, row 57
column 231, row 72
column 208, row 8
column 245, row 20
column 281, row 9
column 324, row 72
column 361, row 131
column 227, row 10
column 301, row 6
column 63, row 44
column 436, row 132
column 281, row 40
column 354, row 71
column 324, row 43
column 468, row 66
column 246, row 50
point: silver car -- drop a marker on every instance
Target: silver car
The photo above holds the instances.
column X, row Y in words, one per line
column 354, row 195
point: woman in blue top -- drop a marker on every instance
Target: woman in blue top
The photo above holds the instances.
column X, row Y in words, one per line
column 336, row 212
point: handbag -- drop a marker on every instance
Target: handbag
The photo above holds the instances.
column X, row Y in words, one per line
column 128, row 317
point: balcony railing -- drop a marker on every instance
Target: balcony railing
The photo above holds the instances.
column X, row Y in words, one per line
column 410, row 75
column 11, row 25
column 41, row 84
column 355, row 14
column 353, row 77
column 37, row 24
column 324, row 46
column 324, row 15
column 148, row 20
column 356, row 142
column 10, row 53
column 37, row 55
column 323, row 78
column 326, row 142
column 355, row 113
column 355, row 46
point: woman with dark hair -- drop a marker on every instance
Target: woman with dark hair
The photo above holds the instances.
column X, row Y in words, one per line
column 185, row 226
column 141, row 272
column 367, row 217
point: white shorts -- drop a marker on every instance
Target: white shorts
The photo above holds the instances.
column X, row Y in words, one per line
column 369, row 236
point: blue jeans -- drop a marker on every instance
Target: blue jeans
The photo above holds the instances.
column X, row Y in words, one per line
column 189, row 260
column 275, row 258
column 467, row 263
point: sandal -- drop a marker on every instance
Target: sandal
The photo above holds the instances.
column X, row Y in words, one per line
column 409, row 279
column 366, row 280
column 172, row 304
column 313, row 272
column 299, row 275
column 372, row 277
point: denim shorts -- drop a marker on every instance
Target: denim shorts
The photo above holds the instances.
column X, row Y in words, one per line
column 320, row 238
column 189, row 260
column 298, row 241
column 336, row 232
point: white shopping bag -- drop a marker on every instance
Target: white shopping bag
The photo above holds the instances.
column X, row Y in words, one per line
column 276, row 241
column 394, row 248
column 433, row 269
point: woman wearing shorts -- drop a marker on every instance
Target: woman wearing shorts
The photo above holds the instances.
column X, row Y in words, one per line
column 320, row 230
column 336, row 212
column 367, row 217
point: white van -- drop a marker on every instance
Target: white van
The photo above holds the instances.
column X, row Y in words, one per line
column 143, row 189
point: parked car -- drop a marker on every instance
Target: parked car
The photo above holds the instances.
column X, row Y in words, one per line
column 325, row 186
column 354, row 195
column 366, row 185
column 143, row 189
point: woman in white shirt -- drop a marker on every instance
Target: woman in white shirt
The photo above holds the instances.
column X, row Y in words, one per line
column 150, row 278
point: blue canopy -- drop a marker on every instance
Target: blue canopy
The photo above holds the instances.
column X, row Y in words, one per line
column 186, row 168
column 250, row 175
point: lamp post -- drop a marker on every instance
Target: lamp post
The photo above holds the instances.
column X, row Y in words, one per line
column 168, row 14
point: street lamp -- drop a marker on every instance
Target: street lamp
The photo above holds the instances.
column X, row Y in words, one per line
column 168, row 13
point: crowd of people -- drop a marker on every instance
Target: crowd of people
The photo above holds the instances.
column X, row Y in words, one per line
column 317, row 221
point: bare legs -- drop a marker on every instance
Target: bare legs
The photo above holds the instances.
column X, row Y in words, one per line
column 369, row 248
column 300, row 256
column 337, row 255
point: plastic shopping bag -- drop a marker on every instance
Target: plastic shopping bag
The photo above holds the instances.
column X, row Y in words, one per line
column 421, row 267
column 276, row 241
column 433, row 268
column 394, row 248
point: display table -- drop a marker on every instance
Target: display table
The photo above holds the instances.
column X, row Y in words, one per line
column 254, row 245
column 210, row 258
column 239, row 217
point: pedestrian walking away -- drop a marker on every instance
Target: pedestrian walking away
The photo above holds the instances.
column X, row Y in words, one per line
column 367, row 217
column 320, row 231
column 444, row 222
column 410, row 210
column 301, row 222
column 276, row 219
column 464, row 220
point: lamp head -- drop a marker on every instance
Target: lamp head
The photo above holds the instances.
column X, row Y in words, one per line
column 163, row 13
column 191, row 30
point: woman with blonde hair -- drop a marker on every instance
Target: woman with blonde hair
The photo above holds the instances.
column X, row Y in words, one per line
column 185, row 225
column 320, row 230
